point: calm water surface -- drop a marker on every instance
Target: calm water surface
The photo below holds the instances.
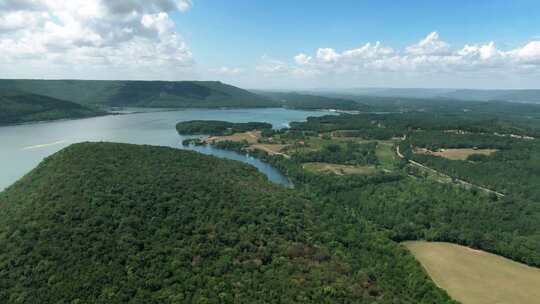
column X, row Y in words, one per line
column 23, row 147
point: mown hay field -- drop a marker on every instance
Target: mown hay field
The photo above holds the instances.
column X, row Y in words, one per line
column 477, row 277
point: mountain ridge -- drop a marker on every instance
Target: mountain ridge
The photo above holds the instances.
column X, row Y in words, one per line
column 134, row 93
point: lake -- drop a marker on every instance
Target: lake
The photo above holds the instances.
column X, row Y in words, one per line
column 23, row 147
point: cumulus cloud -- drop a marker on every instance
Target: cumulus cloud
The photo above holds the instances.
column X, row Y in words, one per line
column 430, row 55
column 430, row 45
column 126, row 34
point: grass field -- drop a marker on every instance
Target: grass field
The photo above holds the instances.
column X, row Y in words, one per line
column 386, row 155
column 456, row 154
column 339, row 169
column 272, row 149
column 251, row 137
column 477, row 277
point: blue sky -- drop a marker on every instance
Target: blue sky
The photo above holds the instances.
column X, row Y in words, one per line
column 241, row 31
column 276, row 44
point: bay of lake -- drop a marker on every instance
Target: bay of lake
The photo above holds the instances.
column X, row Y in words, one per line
column 22, row 147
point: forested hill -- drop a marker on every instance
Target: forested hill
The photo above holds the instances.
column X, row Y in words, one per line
column 117, row 223
column 177, row 94
column 314, row 102
column 19, row 107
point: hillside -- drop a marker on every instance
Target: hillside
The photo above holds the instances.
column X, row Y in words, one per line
column 528, row 96
column 177, row 94
column 117, row 223
column 18, row 107
column 314, row 102
column 525, row 96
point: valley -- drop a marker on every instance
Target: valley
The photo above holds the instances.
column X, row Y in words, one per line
column 370, row 181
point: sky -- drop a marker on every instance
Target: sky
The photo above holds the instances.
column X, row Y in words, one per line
column 276, row 44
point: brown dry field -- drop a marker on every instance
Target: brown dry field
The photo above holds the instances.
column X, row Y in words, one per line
column 455, row 154
column 477, row 277
column 251, row 137
column 272, row 149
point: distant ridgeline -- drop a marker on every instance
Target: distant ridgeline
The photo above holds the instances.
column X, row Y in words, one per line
column 217, row 127
column 315, row 102
column 165, row 94
column 20, row 107
column 118, row 223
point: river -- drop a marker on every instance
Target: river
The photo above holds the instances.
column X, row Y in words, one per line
column 22, row 147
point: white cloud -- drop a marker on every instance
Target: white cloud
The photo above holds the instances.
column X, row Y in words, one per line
column 126, row 35
column 430, row 45
column 302, row 59
column 430, row 56
column 184, row 5
column 530, row 53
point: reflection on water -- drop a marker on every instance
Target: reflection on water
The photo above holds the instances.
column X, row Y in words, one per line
column 23, row 147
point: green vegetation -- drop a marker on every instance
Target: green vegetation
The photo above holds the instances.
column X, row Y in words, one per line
column 349, row 153
column 18, row 107
column 315, row 102
column 178, row 94
column 476, row 277
column 174, row 226
column 531, row 96
column 117, row 223
column 339, row 169
column 418, row 204
column 217, row 127
column 514, row 169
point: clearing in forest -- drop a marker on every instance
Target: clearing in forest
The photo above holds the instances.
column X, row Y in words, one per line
column 339, row 169
column 456, row 154
column 477, row 277
column 250, row 136
column 272, row 149
column 386, row 155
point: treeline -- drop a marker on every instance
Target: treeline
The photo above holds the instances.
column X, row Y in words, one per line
column 350, row 153
column 436, row 140
column 423, row 210
column 515, row 171
column 360, row 125
column 387, row 125
column 217, row 127
column 315, row 102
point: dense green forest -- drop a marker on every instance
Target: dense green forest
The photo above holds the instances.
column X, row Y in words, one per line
column 164, row 94
column 19, row 107
column 514, row 169
column 117, row 223
column 314, row 102
column 217, row 127
column 414, row 205
column 350, row 153
column 114, row 223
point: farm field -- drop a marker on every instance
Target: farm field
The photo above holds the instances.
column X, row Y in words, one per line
column 477, row 277
column 456, row 154
column 339, row 169
column 272, row 149
column 251, row 137
column 386, row 155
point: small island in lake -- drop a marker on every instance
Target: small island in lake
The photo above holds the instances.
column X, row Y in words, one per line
column 217, row 127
